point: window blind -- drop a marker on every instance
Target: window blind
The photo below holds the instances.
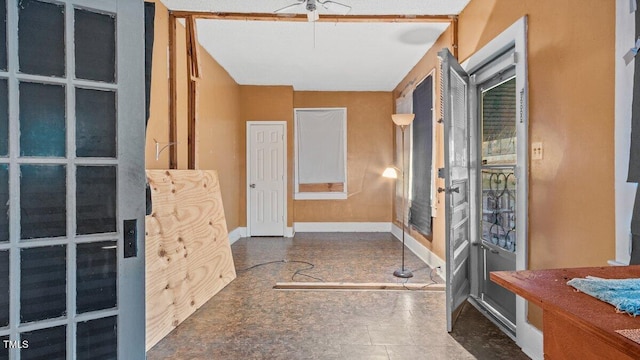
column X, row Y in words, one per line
column 421, row 162
column 321, row 148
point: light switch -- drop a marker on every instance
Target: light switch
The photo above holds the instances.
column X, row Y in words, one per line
column 536, row 151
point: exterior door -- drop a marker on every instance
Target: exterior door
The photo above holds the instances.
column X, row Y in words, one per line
column 266, row 187
column 72, row 179
column 455, row 92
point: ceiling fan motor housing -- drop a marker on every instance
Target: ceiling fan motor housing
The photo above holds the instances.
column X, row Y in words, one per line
column 311, row 5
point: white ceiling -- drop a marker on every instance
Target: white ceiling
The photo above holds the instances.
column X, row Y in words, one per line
column 372, row 56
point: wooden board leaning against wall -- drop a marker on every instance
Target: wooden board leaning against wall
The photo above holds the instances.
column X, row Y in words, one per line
column 188, row 255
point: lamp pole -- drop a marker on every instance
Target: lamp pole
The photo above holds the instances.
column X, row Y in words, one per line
column 403, row 273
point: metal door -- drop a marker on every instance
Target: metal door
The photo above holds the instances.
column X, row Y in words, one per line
column 454, row 102
column 72, row 179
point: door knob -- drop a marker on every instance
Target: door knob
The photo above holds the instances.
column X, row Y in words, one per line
column 449, row 190
column 253, row 186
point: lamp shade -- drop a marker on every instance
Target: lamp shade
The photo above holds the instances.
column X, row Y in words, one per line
column 390, row 173
column 402, row 119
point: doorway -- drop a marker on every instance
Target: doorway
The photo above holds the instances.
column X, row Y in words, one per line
column 266, row 178
column 496, row 192
column 488, row 93
column 72, row 179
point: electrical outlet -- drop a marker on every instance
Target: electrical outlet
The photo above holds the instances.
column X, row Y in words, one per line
column 536, row 151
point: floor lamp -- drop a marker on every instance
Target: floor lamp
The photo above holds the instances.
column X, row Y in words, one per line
column 402, row 120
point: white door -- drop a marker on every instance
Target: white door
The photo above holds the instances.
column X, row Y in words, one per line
column 72, row 180
column 455, row 92
column 266, row 181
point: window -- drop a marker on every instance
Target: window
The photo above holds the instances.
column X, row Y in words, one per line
column 422, row 157
column 320, row 154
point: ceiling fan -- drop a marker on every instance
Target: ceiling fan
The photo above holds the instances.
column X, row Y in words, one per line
column 310, row 6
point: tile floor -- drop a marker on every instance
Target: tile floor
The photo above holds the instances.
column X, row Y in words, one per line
column 250, row 320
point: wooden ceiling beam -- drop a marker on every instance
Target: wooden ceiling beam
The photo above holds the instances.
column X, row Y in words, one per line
column 323, row 18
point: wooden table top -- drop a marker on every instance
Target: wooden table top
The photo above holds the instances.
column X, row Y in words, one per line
column 549, row 290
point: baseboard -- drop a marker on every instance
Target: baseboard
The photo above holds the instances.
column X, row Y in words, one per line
column 342, row 227
column 237, row 233
column 528, row 337
column 426, row 255
column 288, row 232
column 615, row 263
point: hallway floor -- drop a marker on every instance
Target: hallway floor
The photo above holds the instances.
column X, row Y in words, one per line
column 250, row 320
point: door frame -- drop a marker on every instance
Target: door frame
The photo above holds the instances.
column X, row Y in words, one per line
column 528, row 337
column 284, row 169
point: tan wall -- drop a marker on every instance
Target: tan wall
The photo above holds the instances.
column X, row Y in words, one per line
column 265, row 103
column 571, row 110
column 218, row 117
column 369, row 151
column 429, row 64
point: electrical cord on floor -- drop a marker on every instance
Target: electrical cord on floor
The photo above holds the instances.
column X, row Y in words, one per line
column 433, row 281
column 297, row 272
column 261, row 264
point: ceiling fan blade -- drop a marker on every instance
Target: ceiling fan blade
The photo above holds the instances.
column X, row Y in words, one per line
column 298, row 7
column 335, row 7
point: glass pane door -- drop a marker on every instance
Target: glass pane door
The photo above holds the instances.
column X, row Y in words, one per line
column 498, row 191
column 67, row 124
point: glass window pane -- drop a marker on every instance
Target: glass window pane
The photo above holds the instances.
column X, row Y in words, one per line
column 42, row 120
column 41, row 45
column 499, row 207
column 4, row 202
column 499, row 124
column 45, row 344
column 4, row 288
column 95, row 123
column 4, row 352
column 43, row 201
column 96, row 276
column 3, row 34
column 95, row 36
column 97, row 339
column 43, row 280
column 96, row 199
column 4, row 118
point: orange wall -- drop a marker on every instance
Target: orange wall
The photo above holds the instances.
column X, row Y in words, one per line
column 265, row 103
column 218, row 130
column 571, row 111
column 369, row 152
column 571, row 108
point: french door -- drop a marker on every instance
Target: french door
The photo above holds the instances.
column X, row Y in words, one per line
column 71, row 179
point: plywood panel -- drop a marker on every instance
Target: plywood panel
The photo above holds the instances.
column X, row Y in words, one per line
column 188, row 255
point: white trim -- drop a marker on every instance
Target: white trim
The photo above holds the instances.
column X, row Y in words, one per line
column 624, row 191
column 528, row 337
column 297, row 195
column 288, row 232
column 342, row 226
column 424, row 254
column 248, row 172
column 320, row 196
column 615, row 263
column 236, row 234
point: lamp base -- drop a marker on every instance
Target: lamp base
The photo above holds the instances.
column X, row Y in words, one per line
column 403, row 273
